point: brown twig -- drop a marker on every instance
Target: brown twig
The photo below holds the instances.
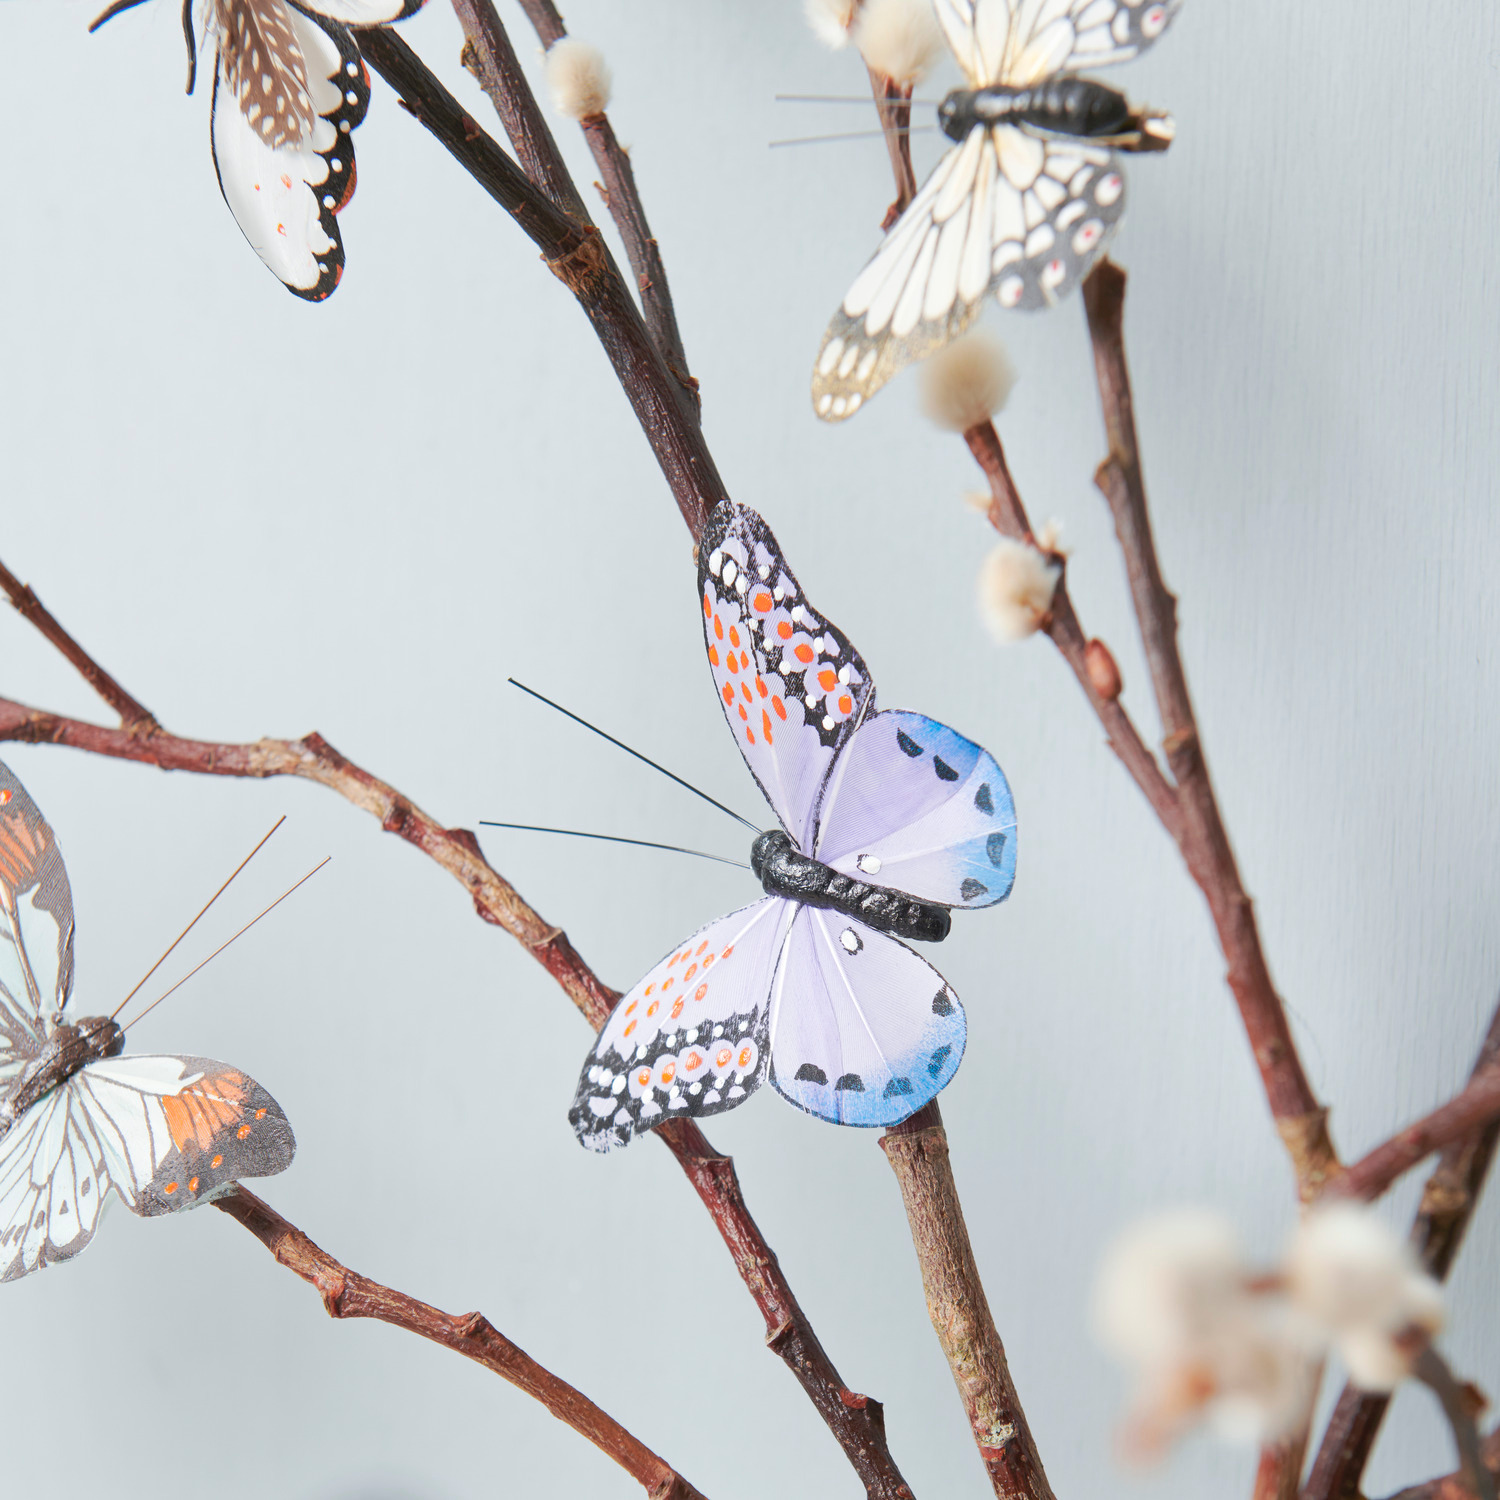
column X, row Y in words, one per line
column 1448, row 1203
column 347, row 1294
column 1201, row 836
column 1008, row 516
column 493, row 61
column 135, row 716
column 917, row 1150
column 893, row 105
column 578, row 256
column 856, row 1421
column 1459, row 1406
column 623, row 200
column 1454, row 1486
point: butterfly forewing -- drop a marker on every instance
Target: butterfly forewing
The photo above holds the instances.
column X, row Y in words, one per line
column 285, row 197
column 863, row 1031
column 36, row 927
column 791, row 686
column 690, row 1037
column 916, row 807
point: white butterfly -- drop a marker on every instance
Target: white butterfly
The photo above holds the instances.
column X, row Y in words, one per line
column 888, row 819
column 76, row 1118
column 1025, row 201
column 289, row 88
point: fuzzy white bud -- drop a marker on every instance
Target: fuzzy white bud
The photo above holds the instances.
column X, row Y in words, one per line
column 899, row 38
column 1016, row 585
column 1356, row 1282
column 967, row 382
column 578, row 77
column 1174, row 1302
column 830, row 20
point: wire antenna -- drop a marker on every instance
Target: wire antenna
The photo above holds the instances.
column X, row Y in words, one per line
column 222, row 946
column 844, row 99
column 853, row 135
column 670, row 775
column 159, row 962
column 611, row 838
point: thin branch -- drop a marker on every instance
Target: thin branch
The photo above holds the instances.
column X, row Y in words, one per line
column 1453, row 1486
column 623, row 200
column 135, row 716
column 856, row 1421
column 1448, row 1203
column 1458, row 1403
column 1475, row 1108
column 917, row 1150
column 1008, row 516
column 493, row 61
column 578, row 256
column 1300, row 1118
column 347, row 1294
column 893, row 105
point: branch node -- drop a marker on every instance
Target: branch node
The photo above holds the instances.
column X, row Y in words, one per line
column 583, row 267
column 1308, row 1144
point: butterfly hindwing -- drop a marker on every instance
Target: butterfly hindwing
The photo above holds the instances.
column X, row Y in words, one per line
column 36, row 927
column 285, row 187
column 176, row 1131
column 863, row 1030
column 916, row 807
column 790, row 684
column 1005, row 212
column 690, row 1037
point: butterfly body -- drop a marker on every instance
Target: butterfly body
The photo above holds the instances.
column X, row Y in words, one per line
column 1024, row 202
column 888, row 820
column 1066, row 106
column 66, row 1051
column 784, row 870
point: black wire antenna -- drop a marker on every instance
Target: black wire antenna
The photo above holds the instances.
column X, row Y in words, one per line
column 611, row 838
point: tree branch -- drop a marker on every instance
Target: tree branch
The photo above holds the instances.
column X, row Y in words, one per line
column 347, row 1294
column 578, row 256
column 893, row 105
column 856, row 1421
column 1300, row 1118
column 1448, row 1203
column 917, row 1150
column 1453, row 1486
column 623, row 200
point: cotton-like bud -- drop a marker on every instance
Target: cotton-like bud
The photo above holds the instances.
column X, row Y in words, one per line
column 1174, row 1301
column 899, row 38
column 830, row 20
column 1016, row 585
column 967, row 382
column 578, row 77
column 1355, row 1281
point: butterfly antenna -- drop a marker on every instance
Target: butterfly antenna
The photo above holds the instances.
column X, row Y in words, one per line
column 222, row 946
column 841, row 99
column 626, row 748
column 853, row 135
column 113, row 11
column 159, row 962
column 611, row 838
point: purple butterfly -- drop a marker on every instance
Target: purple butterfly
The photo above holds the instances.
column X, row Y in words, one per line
column 888, row 819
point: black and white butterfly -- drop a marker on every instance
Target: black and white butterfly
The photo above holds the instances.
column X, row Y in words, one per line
column 289, row 89
column 76, row 1118
column 887, row 820
column 1022, row 204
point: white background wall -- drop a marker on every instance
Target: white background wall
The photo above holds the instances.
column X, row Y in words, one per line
column 267, row 517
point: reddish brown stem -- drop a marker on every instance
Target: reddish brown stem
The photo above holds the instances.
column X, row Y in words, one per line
column 917, row 1150
column 347, row 1294
column 493, row 61
column 1007, row 514
column 1448, row 1203
column 578, row 256
column 135, row 716
column 893, row 105
column 1201, row 835
column 1453, row 1486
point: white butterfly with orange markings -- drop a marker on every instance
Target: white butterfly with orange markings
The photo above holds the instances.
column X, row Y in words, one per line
column 76, row 1118
column 1023, row 203
column 289, row 89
